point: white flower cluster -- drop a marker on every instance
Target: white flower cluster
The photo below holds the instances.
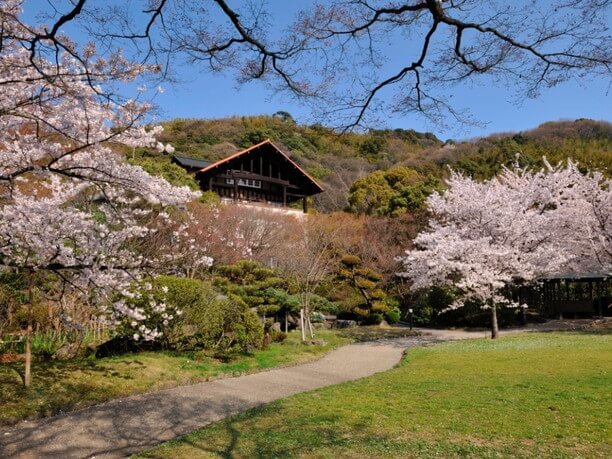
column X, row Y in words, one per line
column 513, row 229
column 70, row 203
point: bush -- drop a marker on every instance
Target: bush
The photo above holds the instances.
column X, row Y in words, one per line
column 278, row 336
column 347, row 315
column 207, row 319
column 393, row 316
column 223, row 324
column 317, row 318
column 210, row 197
column 374, row 319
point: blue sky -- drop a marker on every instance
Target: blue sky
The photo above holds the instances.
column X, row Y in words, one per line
column 205, row 95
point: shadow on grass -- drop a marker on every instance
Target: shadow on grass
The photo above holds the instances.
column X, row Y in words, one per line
column 601, row 332
column 57, row 386
column 300, row 438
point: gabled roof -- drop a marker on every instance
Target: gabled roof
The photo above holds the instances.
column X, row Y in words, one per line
column 254, row 147
column 193, row 163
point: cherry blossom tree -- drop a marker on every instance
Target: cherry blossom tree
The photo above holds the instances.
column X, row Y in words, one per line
column 486, row 237
column 71, row 208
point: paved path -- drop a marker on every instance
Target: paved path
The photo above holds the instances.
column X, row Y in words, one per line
column 121, row 427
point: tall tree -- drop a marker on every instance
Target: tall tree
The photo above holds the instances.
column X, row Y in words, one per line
column 489, row 236
column 308, row 257
column 71, row 207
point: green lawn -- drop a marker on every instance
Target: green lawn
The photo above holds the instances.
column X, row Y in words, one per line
column 64, row 385
column 531, row 395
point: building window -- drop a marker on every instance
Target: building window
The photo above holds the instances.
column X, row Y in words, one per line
column 244, row 182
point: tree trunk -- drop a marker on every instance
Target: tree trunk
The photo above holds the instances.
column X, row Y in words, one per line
column 27, row 375
column 494, row 327
column 302, row 325
column 286, row 323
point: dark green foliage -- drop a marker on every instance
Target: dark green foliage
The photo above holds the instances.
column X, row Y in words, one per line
column 160, row 164
column 321, row 304
column 392, row 192
column 432, row 308
column 255, row 136
column 281, row 299
column 210, row 197
column 427, row 306
column 372, row 148
column 374, row 319
column 263, row 290
column 258, row 287
column 365, row 282
column 278, row 336
column 224, row 325
column 393, row 316
column 209, row 320
column 284, row 116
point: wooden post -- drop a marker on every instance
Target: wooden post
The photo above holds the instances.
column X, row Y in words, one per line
column 286, row 323
column 235, row 186
column 305, row 205
column 284, row 196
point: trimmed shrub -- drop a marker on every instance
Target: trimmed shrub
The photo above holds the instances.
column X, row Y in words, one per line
column 393, row 316
column 223, row 324
column 207, row 319
column 374, row 319
column 278, row 336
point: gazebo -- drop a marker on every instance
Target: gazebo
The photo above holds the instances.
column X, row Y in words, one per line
column 577, row 294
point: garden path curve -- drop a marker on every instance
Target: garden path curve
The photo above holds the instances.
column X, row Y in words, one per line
column 124, row 426
column 121, row 427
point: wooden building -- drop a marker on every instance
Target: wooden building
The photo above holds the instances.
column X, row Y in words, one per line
column 577, row 294
column 191, row 165
column 261, row 174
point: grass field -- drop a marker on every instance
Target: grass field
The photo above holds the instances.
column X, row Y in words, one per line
column 64, row 385
column 530, row 395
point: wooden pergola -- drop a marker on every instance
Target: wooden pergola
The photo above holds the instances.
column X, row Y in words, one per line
column 577, row 294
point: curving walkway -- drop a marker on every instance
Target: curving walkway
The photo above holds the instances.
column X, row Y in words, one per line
column 125, row 426
column 121, row 427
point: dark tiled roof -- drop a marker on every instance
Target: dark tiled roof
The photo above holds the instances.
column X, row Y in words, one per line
column 192, row 163
column 579, row 276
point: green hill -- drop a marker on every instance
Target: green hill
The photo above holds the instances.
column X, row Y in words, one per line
column 337, row 161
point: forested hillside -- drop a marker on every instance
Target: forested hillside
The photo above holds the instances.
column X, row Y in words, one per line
column 384, row 171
